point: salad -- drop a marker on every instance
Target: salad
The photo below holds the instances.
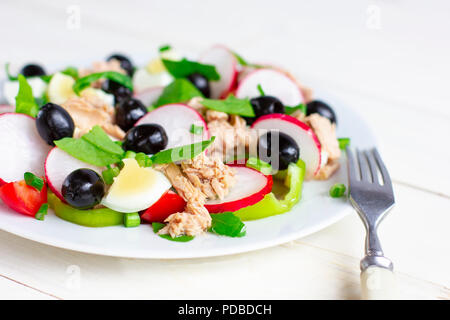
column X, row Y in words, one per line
column 189, row 146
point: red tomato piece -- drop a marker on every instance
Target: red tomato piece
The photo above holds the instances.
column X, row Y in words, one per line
column 23, row 198
column 169, row 203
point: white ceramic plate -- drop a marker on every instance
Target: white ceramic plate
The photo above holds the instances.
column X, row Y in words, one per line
column 315, row 211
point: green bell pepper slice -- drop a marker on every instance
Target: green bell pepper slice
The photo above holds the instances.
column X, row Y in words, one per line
column 270, row 205
column 102, row 217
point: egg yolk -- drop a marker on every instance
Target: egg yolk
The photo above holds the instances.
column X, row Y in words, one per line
column 133, row 178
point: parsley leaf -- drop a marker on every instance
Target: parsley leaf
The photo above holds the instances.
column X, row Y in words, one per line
column 231, row 105
column 101, row 140
column 158, row 226
column 86, row 81
column 184, row 68
column 186, row 152
column 25, row 102
column 227, row 224
column 291, row 110
column 178, row 91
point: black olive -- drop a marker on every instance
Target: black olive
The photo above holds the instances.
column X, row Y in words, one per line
column 125, row 63
column 32, row 70
column 119, row 91
column 264, row 105
column 321, row 108
column 83, row 188
column 201, row 83
column 53, row 123
column 147, row 138
column 278, row 142
column 128, row 111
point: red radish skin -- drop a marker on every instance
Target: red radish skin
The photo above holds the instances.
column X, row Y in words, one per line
column 246, row 201
column 27, row 151
column 247, row 87
column 58, row 165
column 149, row 96
column 7, row 109
column 226, row 65
column 169, row 203
column 303, row 126
column 177, row 119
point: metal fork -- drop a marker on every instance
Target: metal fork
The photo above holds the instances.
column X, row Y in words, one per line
column 372, row 197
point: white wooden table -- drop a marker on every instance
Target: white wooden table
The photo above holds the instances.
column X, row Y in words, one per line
column 387, row 59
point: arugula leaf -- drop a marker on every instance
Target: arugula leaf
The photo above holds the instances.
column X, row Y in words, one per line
column 196, row 129
column 231, row 105
column 86, row 81
column 181, row 153
column 10, row 77
column 258, row 164
column 101, row 140
column 25, row 102
column 291, row 110
column 33, row 181
column 178, row 91
column 158, row 226
column 184, row 68
column 71, row 71
column 227, row 224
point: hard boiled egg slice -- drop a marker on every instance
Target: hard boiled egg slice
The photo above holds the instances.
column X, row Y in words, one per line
column 135, row 188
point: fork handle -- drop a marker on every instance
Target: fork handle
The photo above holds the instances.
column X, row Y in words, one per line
column 378, row 283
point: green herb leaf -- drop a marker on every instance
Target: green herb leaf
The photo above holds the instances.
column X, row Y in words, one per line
column 260, row 89
column 33, row 181
column 227, row 224
column 158, row 226
column 291, row 110
column 337, row 190
column 184, row 68
column 186, row 152
column 46, row 78
column 165, row 48
column 196, row 129
column 231, row 105
column 10, row 77
column 86, row 81
column 343, row 143
column 178, row 91
column 244, row 62
column 40, row 214
column 259, row 165
column 71, row 71
column 25, row 102
column 87, row 152
column 101, row 140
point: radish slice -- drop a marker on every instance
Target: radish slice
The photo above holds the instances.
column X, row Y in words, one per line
column 149, row 96
column 226, row 65
column 303, row 135
column 274, row 83
column 177, row 119
column 21, row 147
column 58, row 165
column 251, row 187
column 4, row 108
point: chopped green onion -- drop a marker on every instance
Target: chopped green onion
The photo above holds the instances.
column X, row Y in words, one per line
column 143, row 160
column 259, row 165
column 343, row 143
column 165, row 48
column 109, row 174
column 130, row 154
column 291, row 110
column 337, row 190
column 260, row 89
column 40, row 214
column 196, row 129
column 131, row 219
column 33, row 181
